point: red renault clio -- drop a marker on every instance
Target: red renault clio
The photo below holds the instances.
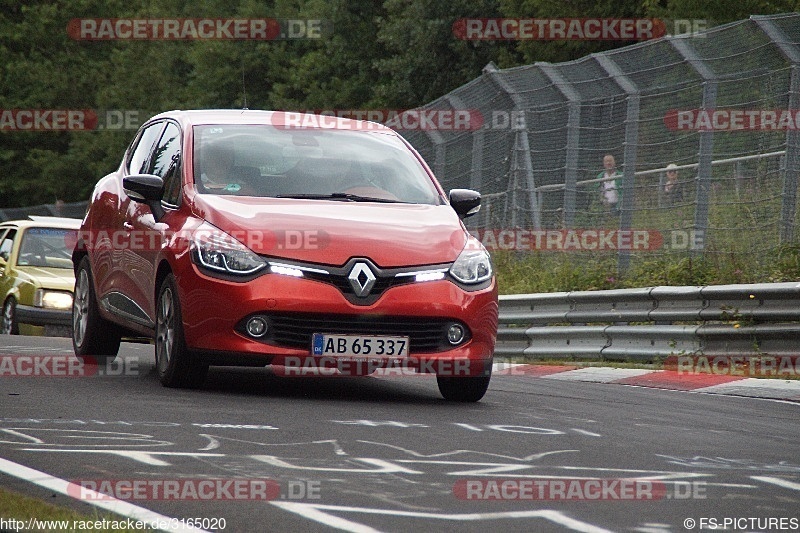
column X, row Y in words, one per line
column 237, row 237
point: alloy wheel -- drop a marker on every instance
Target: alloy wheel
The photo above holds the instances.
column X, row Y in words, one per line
column 80, row 307
column 165, row 330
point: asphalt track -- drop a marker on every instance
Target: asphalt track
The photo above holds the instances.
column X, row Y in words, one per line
column 388, row 454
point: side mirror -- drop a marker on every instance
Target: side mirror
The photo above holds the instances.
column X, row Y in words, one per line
column 147, row 189
column 465, row 202
column 144, row 187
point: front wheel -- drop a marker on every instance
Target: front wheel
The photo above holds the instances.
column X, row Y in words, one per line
column 94, row 339
column 177, row 366
column 465, row 389
column 9, row 319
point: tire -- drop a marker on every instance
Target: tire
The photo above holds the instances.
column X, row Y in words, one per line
column 176, row 365
column 9, row 325
column 94, row 339
column 464, row 389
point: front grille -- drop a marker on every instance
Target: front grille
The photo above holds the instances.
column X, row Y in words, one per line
column 337, row 276
column 295, row 330
column 339, row 280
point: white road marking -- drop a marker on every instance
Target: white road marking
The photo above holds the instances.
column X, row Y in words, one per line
column 777, row 481
column 317, row 513
column 587, row 433
column 147, row 458
column 102, row 501
column 476, row 452
column 384, row 467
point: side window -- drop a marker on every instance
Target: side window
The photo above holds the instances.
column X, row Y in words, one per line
column 167, row 163
column 137, row 164
column 7, row 243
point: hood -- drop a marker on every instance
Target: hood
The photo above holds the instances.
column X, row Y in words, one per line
column 332, row 232
column 49, row 278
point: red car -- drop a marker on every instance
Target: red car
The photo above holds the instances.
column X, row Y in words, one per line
column 237, row 237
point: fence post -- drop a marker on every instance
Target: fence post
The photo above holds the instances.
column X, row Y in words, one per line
column 627, row 200
column 521, row 144
column 792, row 166
column 476, row 174
column 440, row 153
column 706, row 148
column 573, row 139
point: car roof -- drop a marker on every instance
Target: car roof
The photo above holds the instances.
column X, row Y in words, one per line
column 194, row 117
column 43, row 222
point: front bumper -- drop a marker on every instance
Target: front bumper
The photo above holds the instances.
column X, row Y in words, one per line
column 38, row 316
column 213, row 310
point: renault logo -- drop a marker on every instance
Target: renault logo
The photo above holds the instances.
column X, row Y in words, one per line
column 361, row 279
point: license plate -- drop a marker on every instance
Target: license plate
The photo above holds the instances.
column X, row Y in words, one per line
column 359, row 345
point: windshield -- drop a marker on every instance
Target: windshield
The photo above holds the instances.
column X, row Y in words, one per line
column 257, row 160
column 47, row 247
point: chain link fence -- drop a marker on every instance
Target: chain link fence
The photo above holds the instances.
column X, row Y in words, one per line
column 546, row 128
column 720, row 105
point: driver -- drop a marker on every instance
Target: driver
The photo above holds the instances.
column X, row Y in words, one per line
column 218, row 172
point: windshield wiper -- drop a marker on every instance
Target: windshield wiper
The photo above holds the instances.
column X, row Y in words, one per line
column 346, row 197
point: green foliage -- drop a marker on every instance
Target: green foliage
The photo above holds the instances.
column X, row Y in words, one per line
column 389, row 54
column 785, row 264
column 422, row 60
column 557, row 51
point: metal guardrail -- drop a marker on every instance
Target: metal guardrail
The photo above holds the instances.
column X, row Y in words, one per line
column 642, row 324
column 58, row 209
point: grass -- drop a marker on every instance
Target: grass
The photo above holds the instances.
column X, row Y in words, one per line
column 540, row 271
column 20, row 507
column 741, row 243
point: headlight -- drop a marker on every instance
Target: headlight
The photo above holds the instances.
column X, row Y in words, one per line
column 295, row 271
column 286, row 270
column 216, row 250
column 52, row 299
column 473, row 264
